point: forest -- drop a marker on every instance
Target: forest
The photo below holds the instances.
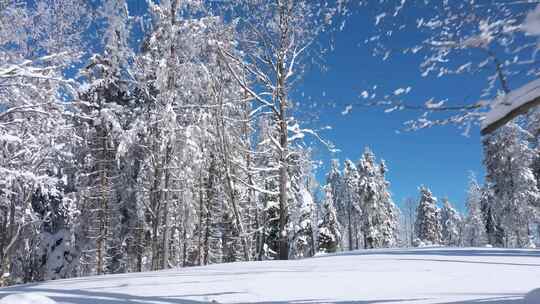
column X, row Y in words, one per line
column 147, row 135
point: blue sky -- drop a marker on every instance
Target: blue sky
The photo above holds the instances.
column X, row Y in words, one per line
column 440, row 158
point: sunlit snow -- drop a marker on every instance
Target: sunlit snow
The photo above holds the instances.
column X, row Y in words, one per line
column 425, row 275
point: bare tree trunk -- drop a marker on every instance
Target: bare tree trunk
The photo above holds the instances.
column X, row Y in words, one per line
column 139, row 246
column 156, row 207
column 262, row 239
column 208, row 224
column 184, row 247
column 283, row 174
column 165, row 201
column 283, row 191
column 201, row 216
column 11, row 236
column 356, row 236
column 102, row 214
column 155, row 247
column 251, row 202
column 349, row 228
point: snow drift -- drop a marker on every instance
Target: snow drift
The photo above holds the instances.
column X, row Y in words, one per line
column 426, row 275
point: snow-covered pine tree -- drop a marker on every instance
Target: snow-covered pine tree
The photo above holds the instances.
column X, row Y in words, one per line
column 303, row 242
column 427, row 225
column 100, row 105
column 302, row 211
column 378, row 212
column 532, row 125
column 494, row 230
column 508, row 160
column 351, row 206
column 329, row 238
column 474, row 230
column 334, row 179
column 334, row 182
column 59, row 256
column 106, row 108
column 389, row 228
column 451, row 224
column 409, row 216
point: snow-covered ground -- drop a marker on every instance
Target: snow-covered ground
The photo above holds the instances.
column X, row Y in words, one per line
column 427, row 275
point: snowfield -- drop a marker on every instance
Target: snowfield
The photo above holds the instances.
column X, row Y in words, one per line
column 426, row 275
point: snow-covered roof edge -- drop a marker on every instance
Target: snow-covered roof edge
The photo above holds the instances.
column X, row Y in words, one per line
column 507, row 107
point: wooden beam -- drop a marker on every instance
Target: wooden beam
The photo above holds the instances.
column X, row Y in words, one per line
column 523, row 109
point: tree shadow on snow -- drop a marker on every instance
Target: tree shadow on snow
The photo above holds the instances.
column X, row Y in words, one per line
column 472, row 252
column 79, row 296
column 326, row 301
column 471, row 262
column 532, row 297
column 493, row 300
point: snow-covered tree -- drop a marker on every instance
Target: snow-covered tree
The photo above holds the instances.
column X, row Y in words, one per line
column 39, row 42
column 334, row 179
column 105, row 110
column 408, row 218
column 303, row 243
column 350, row 206
column 427, row 226
column 474, row 228
column 278, row 36
column 508, row 160
column 329, row 230
column 451, row 224
column 378, row 213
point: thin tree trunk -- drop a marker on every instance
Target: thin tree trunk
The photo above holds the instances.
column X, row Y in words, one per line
column 349, row 228
column 102, row 214
column 283, row 174
column 139, row 246
column 201, row 216
column 156, row 208
column 165, row 201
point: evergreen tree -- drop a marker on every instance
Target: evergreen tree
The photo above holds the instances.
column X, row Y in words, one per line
column 427, row 225
column 508, row 160
column 329, row 230
column 351, row 206
column 335, row 180
column 495, row 232
column 378, row 212
column 451, row 224
column 303, row 241
column 474, row 233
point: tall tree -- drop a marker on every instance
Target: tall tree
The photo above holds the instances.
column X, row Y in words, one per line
column 378, row 212
column 474, row 233
column 329, row 230
column 427, row 225
column 508, row 160
column 351, row 203
column 409, row 214
column 451, row 224
column 278, row 36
